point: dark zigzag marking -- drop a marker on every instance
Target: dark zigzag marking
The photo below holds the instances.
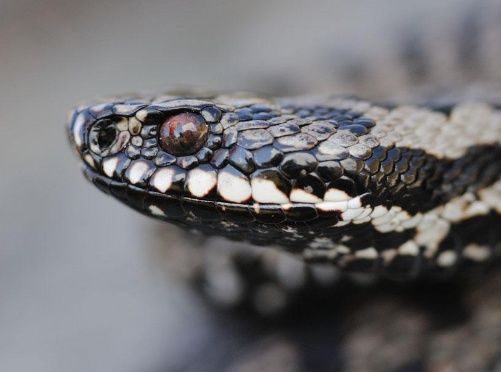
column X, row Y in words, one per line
column 438, row 180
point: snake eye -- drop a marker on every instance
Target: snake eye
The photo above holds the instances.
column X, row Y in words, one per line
column 107, row 138
column 183, row 134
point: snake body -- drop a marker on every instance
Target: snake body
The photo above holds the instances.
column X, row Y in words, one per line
column 396, row 190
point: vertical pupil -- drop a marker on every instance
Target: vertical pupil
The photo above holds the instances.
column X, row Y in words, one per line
column 183, row 134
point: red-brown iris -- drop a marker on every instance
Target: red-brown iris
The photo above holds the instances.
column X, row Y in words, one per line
column 183, row 134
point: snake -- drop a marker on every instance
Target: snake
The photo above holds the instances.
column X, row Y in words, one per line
column 398, row 190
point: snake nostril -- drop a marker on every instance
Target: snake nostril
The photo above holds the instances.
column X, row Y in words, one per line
column 106, row 137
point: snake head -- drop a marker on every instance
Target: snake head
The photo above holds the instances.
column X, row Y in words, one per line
column 221, row 162
column 336, row 179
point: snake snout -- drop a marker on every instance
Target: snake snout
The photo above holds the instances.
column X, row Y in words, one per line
column 77, row 128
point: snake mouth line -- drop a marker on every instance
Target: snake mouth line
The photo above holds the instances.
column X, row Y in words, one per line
column 176, row 207
column 110, row 186
column 120, row 188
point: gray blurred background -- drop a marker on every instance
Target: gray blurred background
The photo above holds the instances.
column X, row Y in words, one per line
column 82, row 287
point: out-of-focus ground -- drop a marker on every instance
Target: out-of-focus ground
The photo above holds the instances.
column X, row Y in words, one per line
column 81, row 285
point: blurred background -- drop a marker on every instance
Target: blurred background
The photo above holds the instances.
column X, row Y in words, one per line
column 82, row 282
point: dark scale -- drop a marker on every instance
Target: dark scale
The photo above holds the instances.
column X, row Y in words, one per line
column 127, row 109
column 274, row 175
column 278, row 120
column 178, row 180
column 312, row 184
column 204, row 211
column 301, row 121
column 211, row 114
column 187, row 162
column 150, row 142
column 344, row 138
column 320, row 130
column 296, row 142
column 268, row 214
column 133, row 152
column 344, row 184
column 145, row 176
column 170, row 207
column 122, row 165
column 301, row 212
column 103, row 111
column 149, row 153
column 220, row 158
column 330, row 170
column 135, row 196
column 230, row 119
column 369, row 141
column 230, row 136
column 388, row 164
column 285, row 129
column 204, row 155
column 352, row 165
column 254, row 139
column 239, row 214
column 303, row 113
column 164, row 158
column 244, row 114
column 356, row 129
column 329, row 150
column 253, row 124
column 363, row 179
column 241, row 159
column 152, row 117
column 263, row 116
column 216, row 128
column 119, row 190
column 372, row 165
column 259, row 108
column 149, row 131
column 213, row 141
column 360, row 151
column 298, row 164
column 267, row 156
column 366, row 122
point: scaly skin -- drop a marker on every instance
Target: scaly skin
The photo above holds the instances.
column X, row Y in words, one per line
column 401, row 191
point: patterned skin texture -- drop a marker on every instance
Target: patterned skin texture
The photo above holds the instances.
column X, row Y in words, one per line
column 393, row 190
